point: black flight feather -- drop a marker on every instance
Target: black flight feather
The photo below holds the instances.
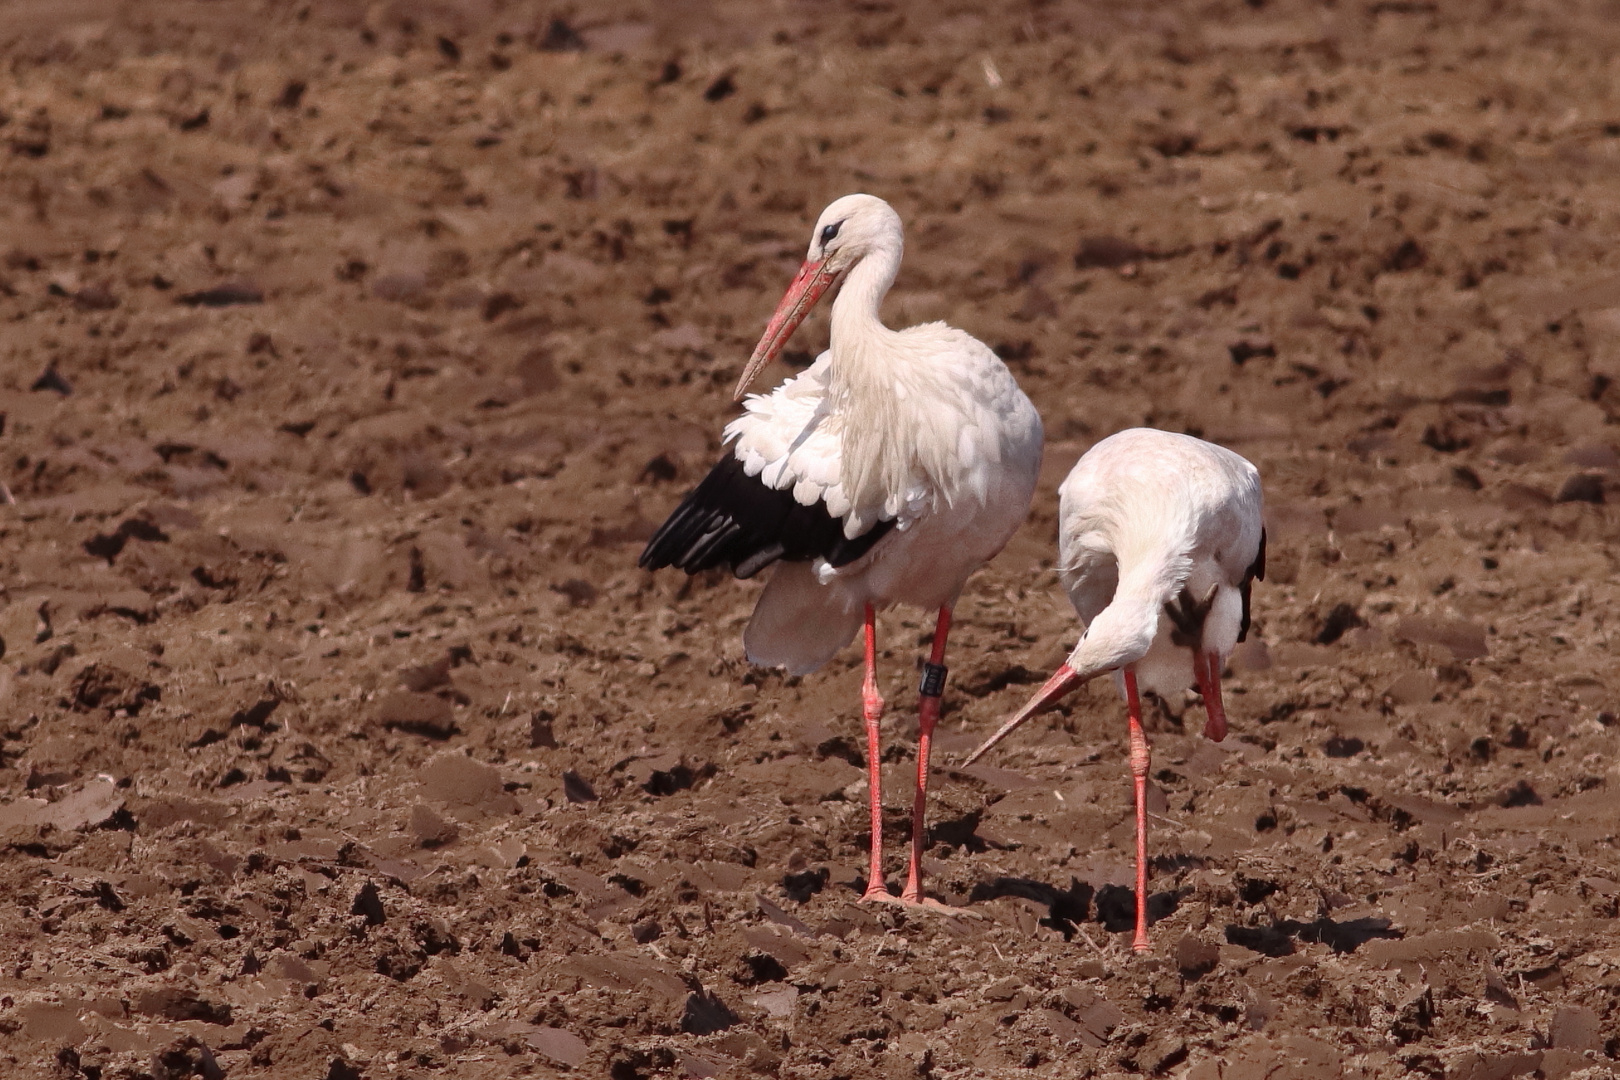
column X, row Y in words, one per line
column 734, row 520
column 1257, row 569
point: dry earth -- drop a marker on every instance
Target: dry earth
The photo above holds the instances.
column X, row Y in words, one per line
column 351, row 351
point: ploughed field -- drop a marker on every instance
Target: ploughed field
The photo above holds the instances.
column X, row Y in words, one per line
column 349, row 353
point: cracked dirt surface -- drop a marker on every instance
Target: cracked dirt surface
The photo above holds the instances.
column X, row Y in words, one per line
column 350, row 352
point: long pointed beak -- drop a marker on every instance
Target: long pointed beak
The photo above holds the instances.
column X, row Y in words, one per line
column 813, row 279
column 1063, row 680
column 1207, row 670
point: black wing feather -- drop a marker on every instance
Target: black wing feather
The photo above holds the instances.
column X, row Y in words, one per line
column 734, row 520
column 1257, row 569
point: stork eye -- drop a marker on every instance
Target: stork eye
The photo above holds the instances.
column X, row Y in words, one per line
column 830, row 233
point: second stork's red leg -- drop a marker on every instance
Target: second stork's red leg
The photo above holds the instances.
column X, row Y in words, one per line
column 1140, row 758
column 872, row 711
column 933, row 686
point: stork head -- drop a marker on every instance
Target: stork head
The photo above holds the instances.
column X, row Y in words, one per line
column 850, row 228
column 846, row 232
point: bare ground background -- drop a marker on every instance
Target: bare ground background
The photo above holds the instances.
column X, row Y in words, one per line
column 351, row 351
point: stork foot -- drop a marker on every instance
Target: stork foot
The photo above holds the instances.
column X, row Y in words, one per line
column 924, row 904
column 876, row 894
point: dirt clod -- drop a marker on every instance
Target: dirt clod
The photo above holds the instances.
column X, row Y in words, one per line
column 353, row 350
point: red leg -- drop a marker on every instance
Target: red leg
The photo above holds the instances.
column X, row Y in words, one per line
column 927, row 716
column 1207, row 670
column 1140, row 757
column 872, row 710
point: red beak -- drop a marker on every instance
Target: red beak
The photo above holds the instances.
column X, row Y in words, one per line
column 1063, row 680
column 1207, row 670
column 813, row 279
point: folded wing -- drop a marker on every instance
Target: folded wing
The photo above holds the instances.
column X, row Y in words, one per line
column 774, row 496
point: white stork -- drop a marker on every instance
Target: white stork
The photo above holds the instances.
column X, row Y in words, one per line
column 886, row 473
column 1159, row 538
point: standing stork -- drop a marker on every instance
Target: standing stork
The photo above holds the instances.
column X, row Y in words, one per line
column 886, row 473
column 1159, row 539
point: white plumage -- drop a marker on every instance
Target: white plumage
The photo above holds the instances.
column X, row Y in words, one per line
column 1176, row 513
column 965, row 491
column 1159, row 536
column 886, row 473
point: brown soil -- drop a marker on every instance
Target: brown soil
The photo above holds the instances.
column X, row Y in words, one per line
column 351, row 352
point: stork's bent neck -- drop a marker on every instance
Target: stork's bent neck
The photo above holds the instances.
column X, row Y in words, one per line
column 856, row 325
column 1122, row 632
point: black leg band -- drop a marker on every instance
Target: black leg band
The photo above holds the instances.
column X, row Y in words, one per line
column 933, row 680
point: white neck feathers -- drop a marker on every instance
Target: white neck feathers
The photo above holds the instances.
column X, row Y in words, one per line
column 1151, row 573
column 900, row 418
